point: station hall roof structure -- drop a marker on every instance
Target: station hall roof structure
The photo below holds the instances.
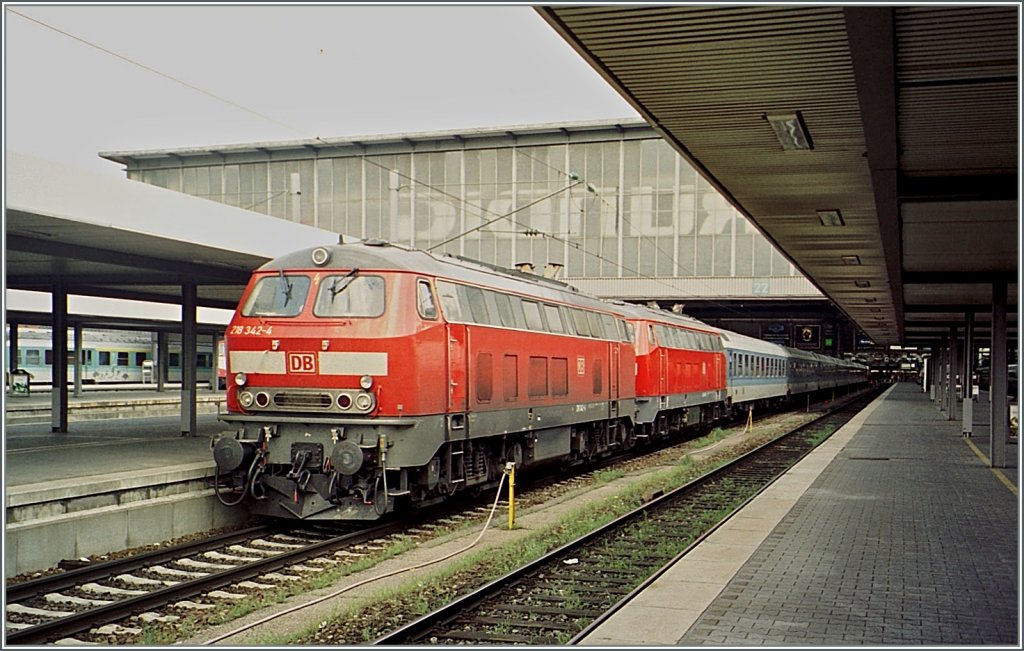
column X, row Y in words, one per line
column 876, row 146
column 116, row 238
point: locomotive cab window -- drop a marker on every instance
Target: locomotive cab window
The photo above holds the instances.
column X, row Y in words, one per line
column 349, row 295
column 425, row 304
column 280, row 295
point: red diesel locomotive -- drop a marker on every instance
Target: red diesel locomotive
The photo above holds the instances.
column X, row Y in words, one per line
column 680, row 373
column 362, row 374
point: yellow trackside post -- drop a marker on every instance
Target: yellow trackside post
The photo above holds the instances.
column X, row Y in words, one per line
column 510, row 468
column 750, row 420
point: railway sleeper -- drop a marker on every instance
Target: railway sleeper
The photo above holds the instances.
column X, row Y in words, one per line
column 520, row 623
column 493, row 637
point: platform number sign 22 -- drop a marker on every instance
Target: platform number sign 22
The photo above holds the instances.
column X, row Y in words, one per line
column 301, row 362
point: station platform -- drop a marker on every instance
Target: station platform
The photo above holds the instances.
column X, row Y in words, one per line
column 120, row 477
column 104, row 402
column 894, row 531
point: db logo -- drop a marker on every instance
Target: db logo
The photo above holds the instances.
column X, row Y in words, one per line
column 302, row 362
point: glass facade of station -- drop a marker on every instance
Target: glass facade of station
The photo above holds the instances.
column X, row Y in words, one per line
column 605, row 202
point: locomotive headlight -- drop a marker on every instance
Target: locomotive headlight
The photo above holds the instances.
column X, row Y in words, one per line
column 344, row 400
column 262, row 400
column 245, row 398
column 240, row 379
column 366, row 382
column 364, row 401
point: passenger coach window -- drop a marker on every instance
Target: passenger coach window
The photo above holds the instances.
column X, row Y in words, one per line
column 425, row 301
column 281, row 295
column 32, row 357
column 349, row 296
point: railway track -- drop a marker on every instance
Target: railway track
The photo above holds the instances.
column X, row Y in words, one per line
column 561, row 597
column 86, row 599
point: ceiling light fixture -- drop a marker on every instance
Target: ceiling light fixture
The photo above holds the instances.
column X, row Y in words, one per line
column 831, row 218
column 791, row 131
column 851, row 259
column 863, row 284
column 871, row 299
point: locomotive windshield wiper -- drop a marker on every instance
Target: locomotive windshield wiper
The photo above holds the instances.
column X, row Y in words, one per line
column 340, row 284
column 285, row 285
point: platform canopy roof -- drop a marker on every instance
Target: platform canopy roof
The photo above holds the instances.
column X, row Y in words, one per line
column 876, row 146
column 111, row 237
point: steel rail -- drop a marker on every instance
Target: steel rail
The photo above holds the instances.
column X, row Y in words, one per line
column 46, row 631
column 56, row 582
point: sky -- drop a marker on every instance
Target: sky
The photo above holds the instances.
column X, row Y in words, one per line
column 160, row 77
column 84, row 79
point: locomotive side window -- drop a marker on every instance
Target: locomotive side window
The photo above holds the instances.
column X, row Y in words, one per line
column 281, row 295
column 348, row 296
column 425, row 301
column 503, row 303
column 477, row 305
column 609, row 326
column 567, row 321
column 518, row 312
column 554, row 319
column 630, row 332
column 533, row 318
column 625, row 328
column 450, row 301
column 596, row 327
column 579, row 318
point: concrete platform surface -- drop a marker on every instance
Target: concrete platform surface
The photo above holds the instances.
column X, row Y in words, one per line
column 894, row 531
